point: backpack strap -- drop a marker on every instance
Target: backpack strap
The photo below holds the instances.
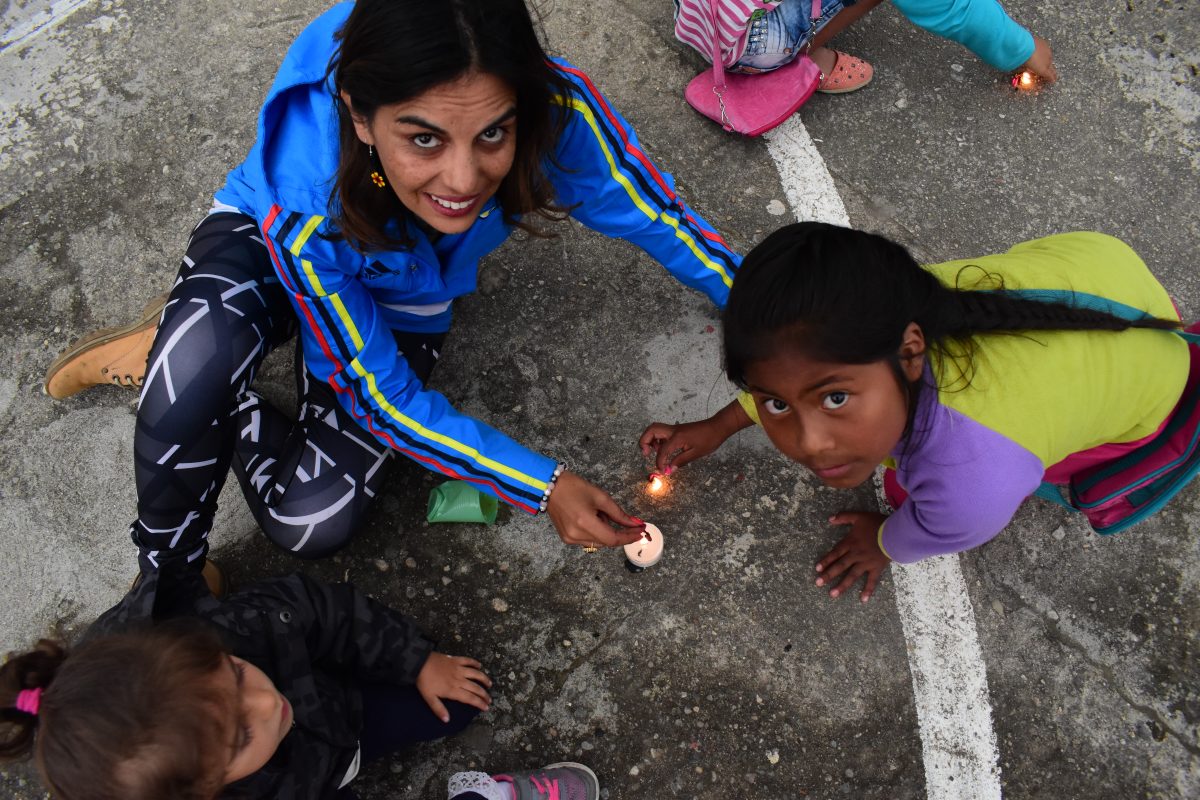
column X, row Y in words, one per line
column 1048, row 491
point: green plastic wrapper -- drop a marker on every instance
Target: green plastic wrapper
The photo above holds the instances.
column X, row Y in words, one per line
column 459, row 501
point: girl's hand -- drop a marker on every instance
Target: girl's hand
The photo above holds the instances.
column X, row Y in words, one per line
column 1041, row 63
column 453, row 678
column 857, row 554
column 584, row 515
column 676, row 445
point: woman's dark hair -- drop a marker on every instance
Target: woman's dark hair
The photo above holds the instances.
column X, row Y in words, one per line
column 134, row 716
column 845, row 296
column 395, row 50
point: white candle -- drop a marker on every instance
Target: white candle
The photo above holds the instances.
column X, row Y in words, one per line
column 645, row 552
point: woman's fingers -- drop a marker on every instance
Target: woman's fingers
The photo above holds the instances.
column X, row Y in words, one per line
column 608, row 509
column 581, row 512
column 598, row 533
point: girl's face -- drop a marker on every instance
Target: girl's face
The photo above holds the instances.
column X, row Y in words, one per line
column 445, row 152
column 839, row 420
column 259, row 717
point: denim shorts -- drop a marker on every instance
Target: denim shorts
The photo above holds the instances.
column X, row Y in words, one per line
column 777, row 36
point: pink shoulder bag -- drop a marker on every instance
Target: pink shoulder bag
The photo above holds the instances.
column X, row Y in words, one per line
column 748, row 104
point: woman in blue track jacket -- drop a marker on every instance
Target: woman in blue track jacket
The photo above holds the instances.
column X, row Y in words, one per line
column 401, row 141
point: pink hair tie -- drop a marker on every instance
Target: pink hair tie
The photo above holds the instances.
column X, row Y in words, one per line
column 28, row 700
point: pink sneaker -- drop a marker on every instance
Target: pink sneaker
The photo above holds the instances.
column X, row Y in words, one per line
column 563, row 781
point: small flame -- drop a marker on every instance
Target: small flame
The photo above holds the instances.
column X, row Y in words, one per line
column 1024, row 80
column 657, row 485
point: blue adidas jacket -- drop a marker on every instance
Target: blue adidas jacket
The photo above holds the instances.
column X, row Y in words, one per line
column 348, row 303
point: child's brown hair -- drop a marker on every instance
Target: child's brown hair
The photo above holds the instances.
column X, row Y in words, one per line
column 131, row 716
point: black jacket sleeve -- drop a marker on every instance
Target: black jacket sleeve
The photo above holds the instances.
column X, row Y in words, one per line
column 346, row 631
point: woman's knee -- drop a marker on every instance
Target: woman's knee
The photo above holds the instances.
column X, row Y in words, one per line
column 311, row 535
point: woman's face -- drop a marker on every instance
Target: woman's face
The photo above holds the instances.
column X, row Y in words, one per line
column 445, row 152
column 259, row 717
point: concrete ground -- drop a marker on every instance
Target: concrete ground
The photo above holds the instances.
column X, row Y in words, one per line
column 722, row 671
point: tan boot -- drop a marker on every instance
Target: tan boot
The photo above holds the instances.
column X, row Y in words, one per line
column 111, row 355
column 214, row 576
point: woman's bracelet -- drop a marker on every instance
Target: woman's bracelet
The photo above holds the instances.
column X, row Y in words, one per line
column 558, row 471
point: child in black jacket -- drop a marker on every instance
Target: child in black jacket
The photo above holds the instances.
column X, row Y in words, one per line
column 281, row 691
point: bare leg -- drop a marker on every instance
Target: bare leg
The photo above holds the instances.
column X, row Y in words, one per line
column 823, row 56
column 843, row 20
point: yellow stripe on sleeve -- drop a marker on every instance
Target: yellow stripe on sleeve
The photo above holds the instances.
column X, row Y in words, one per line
column 315, row 282
column 347, row 321
column 586, row 112
column 305, row 232
column 372, row 388
column 312, row 278
column 442, row 439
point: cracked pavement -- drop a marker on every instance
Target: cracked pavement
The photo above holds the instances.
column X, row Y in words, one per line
column 721, row 670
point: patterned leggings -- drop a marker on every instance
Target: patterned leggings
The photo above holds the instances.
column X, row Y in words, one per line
column 308, row 481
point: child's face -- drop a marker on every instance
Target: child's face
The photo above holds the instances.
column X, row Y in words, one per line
column 839, row 420
column 259, row 717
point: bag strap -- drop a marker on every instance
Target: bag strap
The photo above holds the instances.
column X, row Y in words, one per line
column 1093, row 302
column 718, row 58
column 718, row 66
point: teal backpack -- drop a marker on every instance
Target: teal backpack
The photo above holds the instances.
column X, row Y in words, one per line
column 1117, row 494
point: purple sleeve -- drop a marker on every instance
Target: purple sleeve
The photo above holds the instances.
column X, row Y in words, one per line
column 964, row 483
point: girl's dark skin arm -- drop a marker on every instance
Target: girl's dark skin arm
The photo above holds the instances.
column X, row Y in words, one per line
column 855, row 556
column 676, row 445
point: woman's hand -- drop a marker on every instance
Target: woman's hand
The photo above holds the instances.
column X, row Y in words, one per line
column 676, row 445
column 453, row 678
column 1041, row 63
column 857, row 554
column 584, row 515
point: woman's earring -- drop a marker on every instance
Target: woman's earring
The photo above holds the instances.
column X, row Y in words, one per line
column 376, row 177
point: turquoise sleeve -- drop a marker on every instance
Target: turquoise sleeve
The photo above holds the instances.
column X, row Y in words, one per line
column 982, row 26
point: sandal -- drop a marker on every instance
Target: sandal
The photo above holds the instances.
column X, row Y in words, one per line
column 849, row 74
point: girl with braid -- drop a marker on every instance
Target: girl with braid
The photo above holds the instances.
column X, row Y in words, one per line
column 851, row 355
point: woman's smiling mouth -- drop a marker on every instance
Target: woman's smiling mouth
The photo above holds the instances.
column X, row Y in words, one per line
column 453, row 206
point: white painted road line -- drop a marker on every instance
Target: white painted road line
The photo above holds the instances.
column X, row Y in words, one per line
column 950, row 688
column 954, row 712
column 806, row 180
column 36, row 17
